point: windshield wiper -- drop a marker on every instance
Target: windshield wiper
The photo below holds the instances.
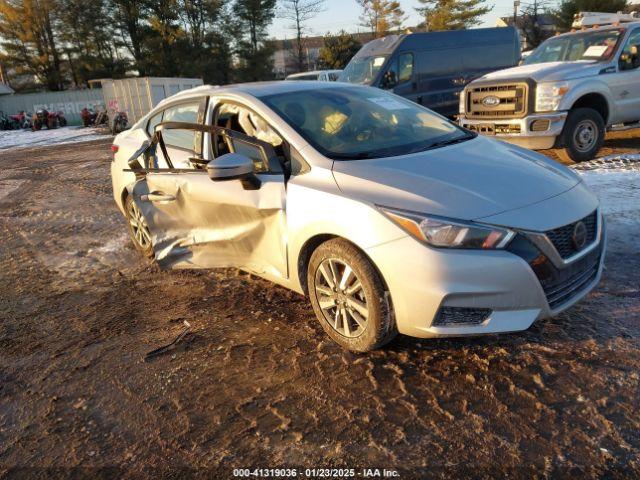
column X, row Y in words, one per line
column 443, row 143
column 354, row 156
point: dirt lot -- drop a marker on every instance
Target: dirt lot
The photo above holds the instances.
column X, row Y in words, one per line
column 257, row 383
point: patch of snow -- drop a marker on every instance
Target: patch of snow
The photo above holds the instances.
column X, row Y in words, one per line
column 628, row 161
column 616, row 181
column 57, row 136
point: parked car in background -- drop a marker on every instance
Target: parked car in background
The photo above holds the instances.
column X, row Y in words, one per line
column 388, row 216
column 432, row 68
column 320, row 75
column 567, row 94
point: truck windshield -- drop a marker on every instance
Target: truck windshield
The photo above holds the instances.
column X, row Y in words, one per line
column 351, row 123
column 592, row 45
column 363, row 70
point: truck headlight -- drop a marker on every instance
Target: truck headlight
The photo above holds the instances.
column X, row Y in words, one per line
column 461, row 102
column 447, row 233
column 549, row 95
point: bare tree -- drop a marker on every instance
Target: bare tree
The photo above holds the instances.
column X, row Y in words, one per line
column 299, row 12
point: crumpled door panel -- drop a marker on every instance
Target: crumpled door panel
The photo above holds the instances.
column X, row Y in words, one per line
column 206, row 224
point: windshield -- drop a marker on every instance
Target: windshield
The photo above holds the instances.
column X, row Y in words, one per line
column 362, row 122
column 363, row 69
column 579, row 46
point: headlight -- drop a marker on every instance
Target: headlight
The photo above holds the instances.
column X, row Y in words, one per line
column 548, row 95
column 446, row 233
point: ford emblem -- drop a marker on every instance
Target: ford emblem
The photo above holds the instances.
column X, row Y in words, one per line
column 490, row 101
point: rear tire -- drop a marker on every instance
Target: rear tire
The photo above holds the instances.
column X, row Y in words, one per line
column 582, row 136
column 349, row 298
column 138, row 228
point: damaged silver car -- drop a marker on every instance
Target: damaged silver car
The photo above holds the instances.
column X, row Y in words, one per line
column 388, row 216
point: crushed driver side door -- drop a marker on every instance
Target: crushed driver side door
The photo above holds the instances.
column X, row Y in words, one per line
column 196, row 222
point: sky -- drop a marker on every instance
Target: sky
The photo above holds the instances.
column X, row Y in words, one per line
column 343, row 14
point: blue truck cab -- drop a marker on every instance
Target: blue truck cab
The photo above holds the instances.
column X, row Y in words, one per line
column 432, row 68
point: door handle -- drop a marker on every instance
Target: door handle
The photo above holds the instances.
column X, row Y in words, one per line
column 157, row 197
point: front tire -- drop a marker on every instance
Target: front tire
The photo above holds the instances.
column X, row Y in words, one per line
column 138, row 229
column 582, row 136
column 349, row 298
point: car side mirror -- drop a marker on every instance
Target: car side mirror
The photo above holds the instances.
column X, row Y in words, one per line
column 234, row 166
column 389, row 80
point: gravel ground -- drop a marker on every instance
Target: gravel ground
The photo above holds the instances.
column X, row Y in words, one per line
column 257, row 383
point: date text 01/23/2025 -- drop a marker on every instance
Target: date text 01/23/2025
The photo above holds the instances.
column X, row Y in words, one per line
column 315, row 473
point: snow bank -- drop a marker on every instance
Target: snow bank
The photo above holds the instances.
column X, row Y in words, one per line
column 616, row 181
column 27, row 138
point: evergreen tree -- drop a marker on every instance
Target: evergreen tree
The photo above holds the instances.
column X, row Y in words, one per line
column 254, row 55
column 30, row 42
column 91, row 42
column 452, row 14
column 381, row 16
column 338, row 50
column 130, row 17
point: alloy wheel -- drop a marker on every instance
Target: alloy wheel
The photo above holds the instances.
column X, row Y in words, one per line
column 341, row 297
column 139, row 227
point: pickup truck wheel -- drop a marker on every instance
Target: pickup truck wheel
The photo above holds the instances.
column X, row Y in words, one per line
column 349, row 297
column 582, row 136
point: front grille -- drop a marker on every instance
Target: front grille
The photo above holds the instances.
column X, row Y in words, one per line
column 560, row 285
column 562, row 237
column 452, row 316
column 564, row 284
column 512, row 101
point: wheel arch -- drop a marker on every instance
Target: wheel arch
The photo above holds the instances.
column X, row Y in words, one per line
column 311, row 244
column 595, row 101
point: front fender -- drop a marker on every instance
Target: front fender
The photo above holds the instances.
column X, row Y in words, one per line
column 580, row 88
column 313, row 211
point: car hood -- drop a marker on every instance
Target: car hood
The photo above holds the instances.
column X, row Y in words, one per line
column 469, row 180
column 548, row 72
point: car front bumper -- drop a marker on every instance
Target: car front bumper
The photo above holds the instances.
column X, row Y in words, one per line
column 423, row 280
column 537, row 131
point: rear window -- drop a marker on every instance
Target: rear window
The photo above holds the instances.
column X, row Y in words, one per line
column 186, row 112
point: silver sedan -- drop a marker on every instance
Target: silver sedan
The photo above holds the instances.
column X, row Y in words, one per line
column 389, row 217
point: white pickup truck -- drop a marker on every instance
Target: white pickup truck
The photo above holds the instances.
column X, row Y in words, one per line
column 567, row 94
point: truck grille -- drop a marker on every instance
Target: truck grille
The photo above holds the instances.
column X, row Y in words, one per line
column 562, row 237
column 509, row 101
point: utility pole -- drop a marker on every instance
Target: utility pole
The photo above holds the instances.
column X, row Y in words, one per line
column 516, row 4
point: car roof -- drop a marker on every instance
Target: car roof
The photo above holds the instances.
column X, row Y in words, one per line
column 258, row 89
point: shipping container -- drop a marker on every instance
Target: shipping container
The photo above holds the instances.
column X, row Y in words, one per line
column 137, row 96
column 71, row 102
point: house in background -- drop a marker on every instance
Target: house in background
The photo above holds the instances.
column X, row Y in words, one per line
column 546, row 23
column 284, row 56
